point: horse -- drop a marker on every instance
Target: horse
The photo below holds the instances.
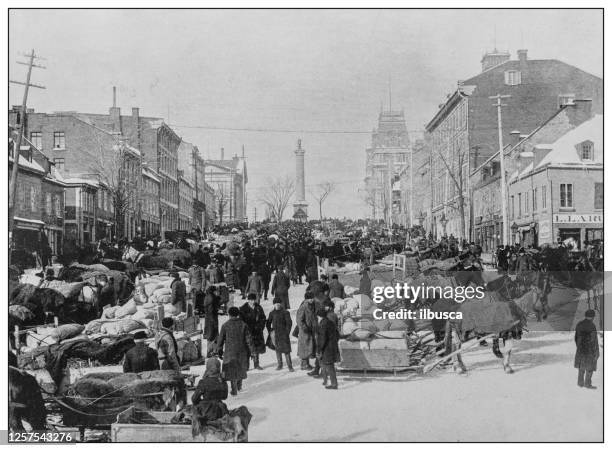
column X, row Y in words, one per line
column 495, row 315
column 131, row 254
column 25, row 402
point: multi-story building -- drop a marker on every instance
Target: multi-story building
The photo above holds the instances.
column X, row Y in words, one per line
column 192, row 164
column 464, row 131
column 385, row 158
column 186, row 196
column 150, row 222
column 555, row 190
column 39, row 201
column 228, row 179
column 82, row 148
column 413, row 198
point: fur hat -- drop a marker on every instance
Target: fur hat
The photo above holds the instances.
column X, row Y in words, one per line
column 589, row 314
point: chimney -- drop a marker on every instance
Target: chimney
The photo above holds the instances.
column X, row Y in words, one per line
column 222, row 153
column 522, row 56
column 115, row 113
column 136, row 126
column 515, row 137
column 243, row 151
column 580, row 111
column 494, row 58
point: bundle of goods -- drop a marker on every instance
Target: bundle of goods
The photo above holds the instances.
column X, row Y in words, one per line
column 97, row 398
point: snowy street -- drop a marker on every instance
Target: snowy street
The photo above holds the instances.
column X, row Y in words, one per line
column 540, row 402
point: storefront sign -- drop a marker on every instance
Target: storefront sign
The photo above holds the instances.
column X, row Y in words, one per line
column 578, row 219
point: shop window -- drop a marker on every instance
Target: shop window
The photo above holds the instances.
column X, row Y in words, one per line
column 566, row 195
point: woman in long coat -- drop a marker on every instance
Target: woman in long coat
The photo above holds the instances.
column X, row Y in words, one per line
column 254, row 317
column 307, row 322
column 235, row 345
column 279, row 326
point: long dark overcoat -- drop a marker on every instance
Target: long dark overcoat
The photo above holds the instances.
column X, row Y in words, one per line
column 587, row 346
column 280, row 288
column 327, row 342
column 279, row 322
column 211, row 316
column 236, row 343
column 255, row 319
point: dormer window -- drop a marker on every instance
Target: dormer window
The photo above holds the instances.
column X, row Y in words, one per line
column 586, row 151
column 566, row 99
column 512, row 77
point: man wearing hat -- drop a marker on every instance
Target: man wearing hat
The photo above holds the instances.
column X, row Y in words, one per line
column 279, row 327
column 167, row 347
column 235, row 345
column 327, row 349
column 141, row 357
column 587, row 349
column 179, row 293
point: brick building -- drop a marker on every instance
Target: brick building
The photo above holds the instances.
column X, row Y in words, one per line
column 556, row 188
column 464, row 130
column 150, row 221
column 192, row 165
column 186, row 196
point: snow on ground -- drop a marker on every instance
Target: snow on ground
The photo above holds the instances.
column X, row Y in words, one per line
column 539, row 402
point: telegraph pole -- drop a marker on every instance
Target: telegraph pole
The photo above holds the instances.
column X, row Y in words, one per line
column 20, row 130
column 502, row 166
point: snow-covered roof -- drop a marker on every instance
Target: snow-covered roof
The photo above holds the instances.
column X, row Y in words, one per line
column 80, row 181
column 564, row 150
column 26, row 164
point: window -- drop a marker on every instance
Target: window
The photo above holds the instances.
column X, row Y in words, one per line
column 36, row 139
column 520, row 203
column 60, row 164
column 526, row 202
column 511, row 207
column 58, row 206
column 48, row 204
column 543, row 197
column 535, row 199
column 512, row 77
column 59, row 140
column 101, row 200
column 586, row 150
column 566, row 99
column 599, row 192
column 565, row 195
column 32, row 199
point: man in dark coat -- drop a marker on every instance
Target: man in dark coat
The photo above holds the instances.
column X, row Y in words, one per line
column 279, row 327
column 254, row 317
column 209, row 394
column 167, row 347
column 235, row 344
column 327, row 349
column 266, row 275
column 336, row 289
column 141, row 357
column 211, row 318
column 179, row 293
column 280, row 287
column 201, row 257
column 587, row 349
column 365, row 284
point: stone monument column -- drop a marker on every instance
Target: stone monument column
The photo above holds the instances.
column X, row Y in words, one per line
column 300, row 206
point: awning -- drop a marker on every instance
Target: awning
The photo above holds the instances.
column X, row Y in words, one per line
column 29, row 224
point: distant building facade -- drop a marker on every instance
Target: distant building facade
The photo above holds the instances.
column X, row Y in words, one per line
column 385, row 159
column 228, row 179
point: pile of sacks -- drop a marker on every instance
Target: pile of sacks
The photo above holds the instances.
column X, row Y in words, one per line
column 140, row 311
column 46, row 336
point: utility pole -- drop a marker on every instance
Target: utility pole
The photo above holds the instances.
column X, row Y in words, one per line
column 20, row 130
column 502, row 167
column 255, row 219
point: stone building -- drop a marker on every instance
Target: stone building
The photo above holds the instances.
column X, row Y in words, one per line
column 150, row 221
column 385, row 158
column 186, row 196
column 228, row 179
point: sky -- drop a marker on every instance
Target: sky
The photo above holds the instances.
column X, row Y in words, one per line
column 263, row 79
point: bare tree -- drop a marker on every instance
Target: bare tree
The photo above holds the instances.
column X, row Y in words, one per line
column 453, row 163
column 276, row 196
column 112, row 167
column 321, row 193
column 222, row 199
